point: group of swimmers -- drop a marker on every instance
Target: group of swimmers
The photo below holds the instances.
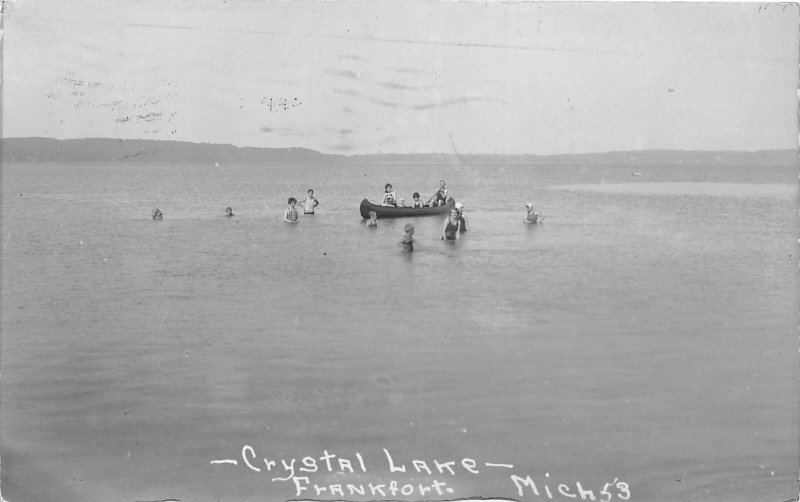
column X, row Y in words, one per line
column 454, row 225
column 438, row 198
column 309, row 205
column 158, row 215
column 289, row 216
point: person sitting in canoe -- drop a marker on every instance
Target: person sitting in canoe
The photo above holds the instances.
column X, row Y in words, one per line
column 417, row 202
column 461, row 220
column 439, row 197
column 389, row 197
column 450, row 231
column 157, row 214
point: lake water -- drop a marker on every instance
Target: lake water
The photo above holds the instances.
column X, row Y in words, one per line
column 643, row 339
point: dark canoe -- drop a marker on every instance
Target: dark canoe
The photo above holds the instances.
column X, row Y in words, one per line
column 403, row 212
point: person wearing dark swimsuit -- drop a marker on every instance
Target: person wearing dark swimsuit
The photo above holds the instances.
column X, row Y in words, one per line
column 451, row 226
column 462, row 221
column 408, row 238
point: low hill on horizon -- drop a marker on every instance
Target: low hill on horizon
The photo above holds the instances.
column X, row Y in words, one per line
column 111, row 150
column 130, row 150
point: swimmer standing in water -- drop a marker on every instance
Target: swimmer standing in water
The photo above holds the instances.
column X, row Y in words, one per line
column 311, row 202
column 532, row 216
column 408, row 238
column 372, row 222
column 461, row 220
column 291, row 216
column 452, row 225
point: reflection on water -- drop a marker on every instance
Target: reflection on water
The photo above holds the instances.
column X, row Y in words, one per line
column 637, row 334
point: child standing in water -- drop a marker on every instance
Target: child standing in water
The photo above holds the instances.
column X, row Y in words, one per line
column 408, row 238
column 372, row 222
column 290, row 216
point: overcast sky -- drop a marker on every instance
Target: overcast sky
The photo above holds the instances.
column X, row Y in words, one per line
column 405, row 76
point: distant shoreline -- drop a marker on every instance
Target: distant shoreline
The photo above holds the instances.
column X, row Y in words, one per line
column 134, row 150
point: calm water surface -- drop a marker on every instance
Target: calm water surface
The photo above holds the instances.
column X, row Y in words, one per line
column 645, row 332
